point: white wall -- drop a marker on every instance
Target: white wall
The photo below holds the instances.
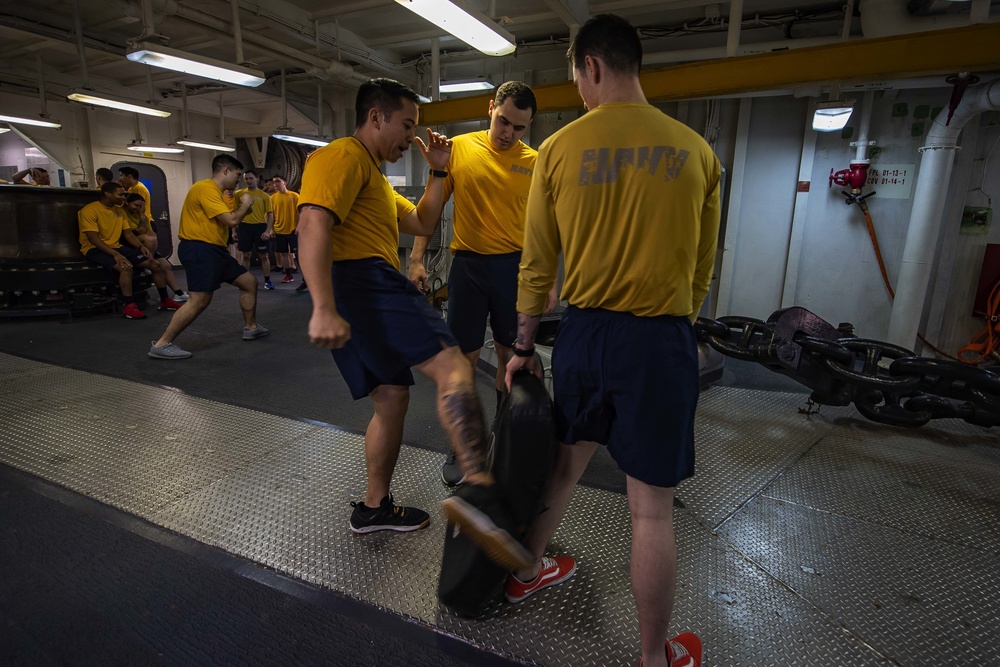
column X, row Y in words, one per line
column 838, row 276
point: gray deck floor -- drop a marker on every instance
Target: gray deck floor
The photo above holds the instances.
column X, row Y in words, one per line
column 804, row 539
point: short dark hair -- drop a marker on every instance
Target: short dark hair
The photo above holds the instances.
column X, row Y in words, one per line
column 133, row 196
column 129, row 171
column 520, row 92
column 110, row 187
column 105, row 174
column 250, row 171
column 278, row 177
column 220, row 162
column 610, row 38
column 386, row 95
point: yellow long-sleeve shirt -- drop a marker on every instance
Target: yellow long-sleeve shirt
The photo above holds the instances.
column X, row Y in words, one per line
column 630, row 197
column 491, row 192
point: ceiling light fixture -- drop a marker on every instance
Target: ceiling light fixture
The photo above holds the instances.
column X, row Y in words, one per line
column 832, row 115
column 39, row 122
column 465, row 86
column 459, row 19
column 158, row 55
column 285, row 134
column 153, row 148
column 114, row 102
column 42, row 119
column 187, row 140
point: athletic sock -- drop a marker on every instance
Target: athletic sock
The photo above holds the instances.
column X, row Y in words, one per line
column 163, row 292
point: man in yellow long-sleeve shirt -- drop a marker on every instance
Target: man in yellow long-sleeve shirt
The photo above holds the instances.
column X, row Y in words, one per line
column 489, row 173
column 631, row 199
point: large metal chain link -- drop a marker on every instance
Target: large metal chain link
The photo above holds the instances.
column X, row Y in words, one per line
column 887, row 383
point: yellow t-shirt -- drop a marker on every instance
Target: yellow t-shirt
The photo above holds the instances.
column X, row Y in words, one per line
column 631, row 198
column 491, row 193
column 134, row 220
column 109, row 223
column 285, row 207
column 142, row 190
column 203, row 202
column 344, row 178
column 260, row 208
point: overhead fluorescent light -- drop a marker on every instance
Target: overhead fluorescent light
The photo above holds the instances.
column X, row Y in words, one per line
column 423, row 99
column 153, row 148
column 832, row 115
column 115, row 102
column 4, row 129
column 467, row 24
column 210, row 145
column 465, row 86
column 280, row 133
column 37, row 121
column 158, row 55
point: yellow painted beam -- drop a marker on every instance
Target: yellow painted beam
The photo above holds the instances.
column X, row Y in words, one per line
column 968, row 49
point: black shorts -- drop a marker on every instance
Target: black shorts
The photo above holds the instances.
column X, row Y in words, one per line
column 248, row 237
column 481, row 286
column 286, row 243
column 98, row 256
column 392, row 326
column 207, row 266
column 630, row 383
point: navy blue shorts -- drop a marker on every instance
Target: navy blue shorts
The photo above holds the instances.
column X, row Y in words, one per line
column 481, row 285
column 630, row 383
column 286, row 243
column 98, row 256
column 392, row 326
column 248, row 237
column 207, row 265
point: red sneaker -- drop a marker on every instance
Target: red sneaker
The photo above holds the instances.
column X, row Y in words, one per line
column 169, row 304
column 554, row 571
column 684, row 650
column 288, row 279
column 132, row 312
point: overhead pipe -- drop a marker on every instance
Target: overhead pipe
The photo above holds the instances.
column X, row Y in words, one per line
column 735, row 25
column 884, row 18
column 930, row 191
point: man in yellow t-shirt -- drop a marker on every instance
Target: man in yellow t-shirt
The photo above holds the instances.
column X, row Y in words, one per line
column 257, row 227
column 378, row 325
column 38, row 176
column 630, row 197
column 129, row 178
column 206, row 219
column 103, row 226
column 286, row 218
column 489, row 174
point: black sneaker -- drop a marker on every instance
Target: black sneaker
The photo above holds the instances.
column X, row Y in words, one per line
column 387, row 516
column 451, row 473
column 302, row 287
column 480, row 513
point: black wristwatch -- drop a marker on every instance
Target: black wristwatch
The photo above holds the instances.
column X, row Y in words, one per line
column 439, row 173
column 524, row 353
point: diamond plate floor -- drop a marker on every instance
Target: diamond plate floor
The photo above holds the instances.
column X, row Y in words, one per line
column 805, row 539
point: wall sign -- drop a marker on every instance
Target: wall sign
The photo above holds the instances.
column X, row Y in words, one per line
column 891, row 181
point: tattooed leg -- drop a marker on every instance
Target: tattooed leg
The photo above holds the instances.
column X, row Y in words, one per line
column 460, row 412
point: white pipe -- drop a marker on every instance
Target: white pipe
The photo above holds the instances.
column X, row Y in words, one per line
column 712, row 52
column 435, row 69
column 735, row 24
column 980, row 11
column 930, row 191
column 796, row 235
column 868, row 101
column 724, row 306
column 849, row 20
column 237, row 31
column 884, row 18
